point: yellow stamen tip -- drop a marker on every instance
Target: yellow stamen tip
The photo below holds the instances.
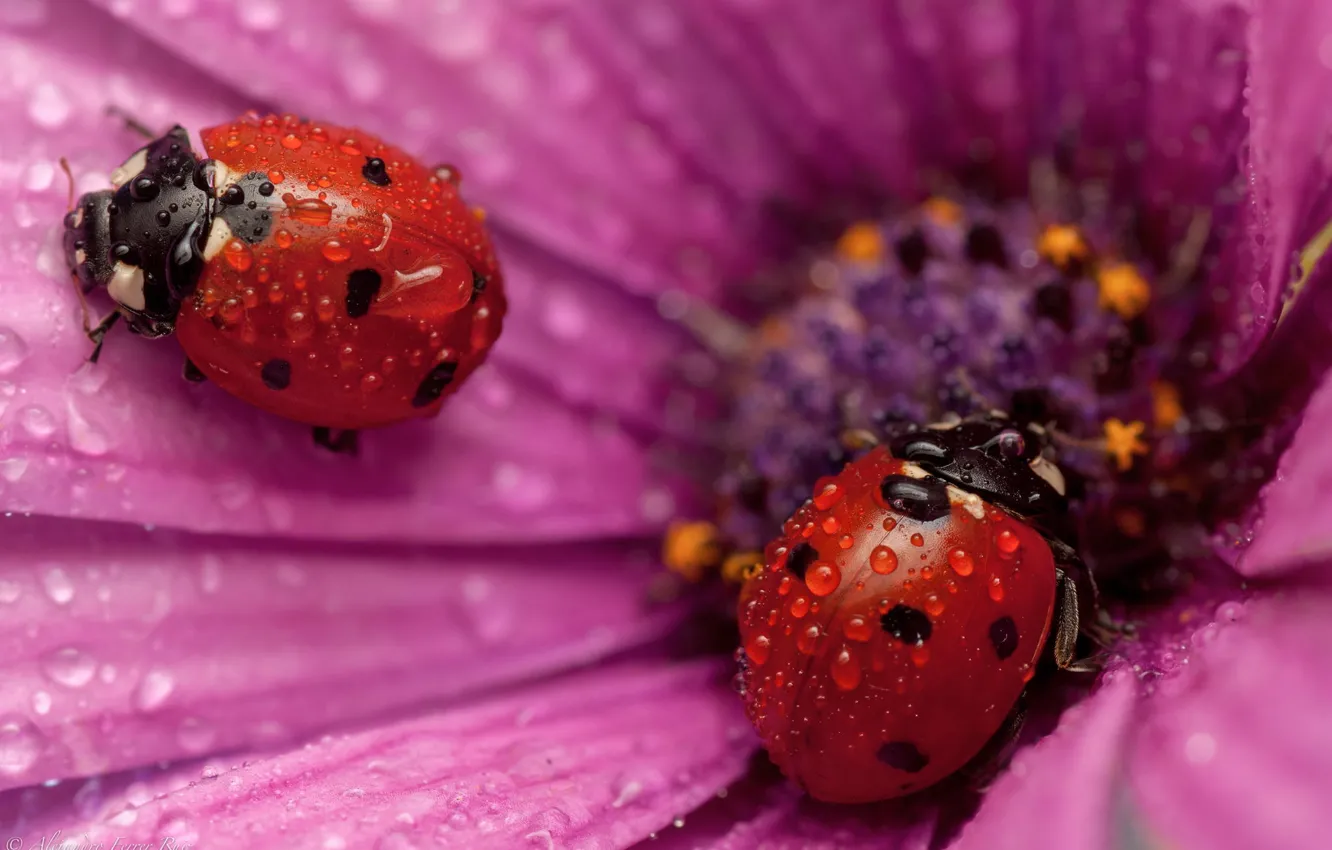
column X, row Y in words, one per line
column 1123, row 290
column 691, row 548
column 1062, row 244
column 861, row 243
column 741, row 567
column 1166, row 407
column 942, row 211
column 479, row 213
column 1123, row 441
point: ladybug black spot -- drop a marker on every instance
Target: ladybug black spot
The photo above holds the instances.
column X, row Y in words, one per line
column 907, row 624
column 912, row 250
column 434, row 383
column 925, row 499
column 1004, row 637
column 800, row 559
column 903, row 755
column 276, row 374
column 362, row 288
column 478, row 286
column 986, row 245
column 375, row 172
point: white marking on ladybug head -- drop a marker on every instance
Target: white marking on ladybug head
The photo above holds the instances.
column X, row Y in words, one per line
column 130, row 168
column 1051, row 473
column 80, row 256
column 126, row 286
column 912, row 470
column 222, row 178
column 218, row 237
column 388, row 228
column 969, row 501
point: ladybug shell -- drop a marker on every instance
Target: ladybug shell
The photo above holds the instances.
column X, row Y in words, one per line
column 350, row 287
column 891, row 631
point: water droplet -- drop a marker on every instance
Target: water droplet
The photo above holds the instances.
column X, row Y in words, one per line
column 259, row 15
column 314, row 211
column 58, row 586
column 823, row 578
column 889, row 524
column 883, row 560
column 37, row 421
column 195, row 735
column 84, row 436
column 21, row 744
column 917, row 539
column 757, row 648
column 12, row 468
column 177, row 829
column 846, row 541
column 1007, row 543
column 996, row 589
column 47, row 106
column 846, row 671
column 857, row 629
column 291, row 142
column 799, row 607
column 41, row 703
column 808, row 640
column 299, row 324
column 70, row 667
column 827, row 494
column 335, row 251
column 283, row 239
column 13, row 350
column 785, row 586
column 210, row 574
column 238, row 255
column 831, row 525
column 153, row 690
column 933, row 605
column 961, row 562
column 920, row 655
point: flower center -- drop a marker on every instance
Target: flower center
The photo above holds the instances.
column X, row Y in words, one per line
column 955, row 308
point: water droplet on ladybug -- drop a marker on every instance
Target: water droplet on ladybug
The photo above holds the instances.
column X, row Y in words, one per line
column 808, row 640
column 846, row 671
column 299, row 325
column 238, row 255
column 823, row 578
column 335, row 251
column 1011, row 443
column 846, row 541
column 996, row 589
column 325, row 309
column 291, row 142
column 889, row 524
column 283, row 238
column 883, row 560
column 799, row 607
column 920, row 655
column 757, row 648
column 316, row 211
column 831, row 525
column 230, row 311
column 784, row 587
column 961, row 562
column 933, row 605
column 1007, row 543
column 858, row 629
column 350, row 147
column 917, row 539
column 827, row 493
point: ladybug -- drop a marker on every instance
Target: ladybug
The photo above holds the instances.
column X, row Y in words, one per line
column 311, row 270
column 891, row 631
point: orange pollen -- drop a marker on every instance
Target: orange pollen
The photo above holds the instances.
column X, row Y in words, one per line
column 1166, row 407
column 690, row 548
column 1123, row 441
column 1062, row 245
column 862, row 243
column 1123, row 290
column 942, row 211
column 741, row 566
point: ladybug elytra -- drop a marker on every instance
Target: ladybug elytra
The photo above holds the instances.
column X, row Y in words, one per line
column 308, row 269
column 896, row 622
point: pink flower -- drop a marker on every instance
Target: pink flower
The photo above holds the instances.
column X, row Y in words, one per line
column 214, row 634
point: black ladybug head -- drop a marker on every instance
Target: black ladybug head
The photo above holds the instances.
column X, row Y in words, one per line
column 993, row 457
column 143, row 240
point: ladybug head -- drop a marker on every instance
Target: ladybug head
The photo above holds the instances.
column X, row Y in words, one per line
column 993, row 457
column 144, row 239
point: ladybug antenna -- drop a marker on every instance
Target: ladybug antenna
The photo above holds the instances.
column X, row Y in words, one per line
column 69, row 175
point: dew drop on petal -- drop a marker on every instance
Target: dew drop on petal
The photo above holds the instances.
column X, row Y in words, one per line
column 195, row 735
column 41, row 703
column 153, row 690
column 37, row 421
column 21, row 744
column 70, row 667
column 58, row 585
column 13, row 350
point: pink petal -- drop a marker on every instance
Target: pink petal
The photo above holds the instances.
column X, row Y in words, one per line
column 126, row 647
column 1236, row 752
column 1059, row 792
column 1293, row 529
column 595, row 761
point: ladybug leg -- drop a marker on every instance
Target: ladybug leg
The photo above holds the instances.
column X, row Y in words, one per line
column 1068, row 625
column 98, row 334
column 339, row 442
column 191, row 373
column 985, row 768
column 130, row 122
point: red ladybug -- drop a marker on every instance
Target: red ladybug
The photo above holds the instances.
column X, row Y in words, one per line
column 904, row 609
column 311, row 270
